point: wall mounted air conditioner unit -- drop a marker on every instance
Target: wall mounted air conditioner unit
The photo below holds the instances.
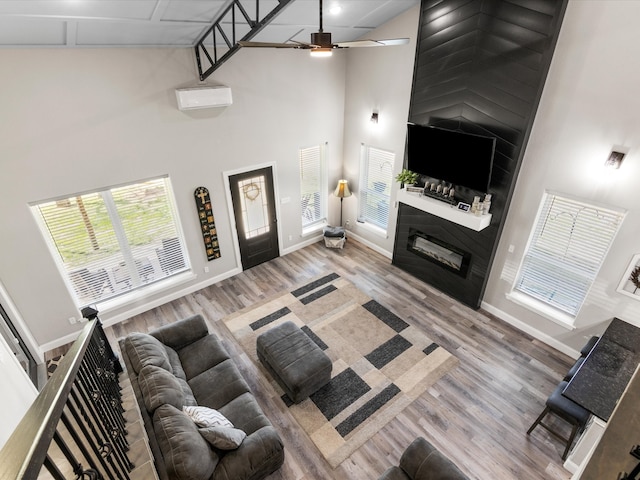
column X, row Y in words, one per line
column 203, row 97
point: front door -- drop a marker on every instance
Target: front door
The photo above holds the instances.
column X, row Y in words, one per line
column 253, row 199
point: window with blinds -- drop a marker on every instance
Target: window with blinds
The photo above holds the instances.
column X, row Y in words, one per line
column 376, row 177
column 567, row 247
column 111, row 242
column 313, row 185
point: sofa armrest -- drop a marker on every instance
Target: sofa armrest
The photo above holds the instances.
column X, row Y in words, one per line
column 259, row 455
column 414, row 456
column 182, row 333
column 423, row 461
column 394, row 473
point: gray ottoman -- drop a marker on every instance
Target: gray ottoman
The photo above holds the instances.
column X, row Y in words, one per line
column 294, row 360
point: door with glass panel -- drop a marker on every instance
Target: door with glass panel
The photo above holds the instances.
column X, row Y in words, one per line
column 253, row 199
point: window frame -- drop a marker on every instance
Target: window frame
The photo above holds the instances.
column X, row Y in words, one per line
column 135, row 267
column 365, row 192
column 319, row 218
column 573, row 267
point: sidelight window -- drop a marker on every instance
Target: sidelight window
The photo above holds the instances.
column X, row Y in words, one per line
column 114, row 241
column 376, row 177
column 313, row 186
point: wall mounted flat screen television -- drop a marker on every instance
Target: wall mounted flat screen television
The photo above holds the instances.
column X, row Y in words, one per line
column 462, row 159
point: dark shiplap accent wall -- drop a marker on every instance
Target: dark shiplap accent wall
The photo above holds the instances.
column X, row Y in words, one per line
column 480, row 68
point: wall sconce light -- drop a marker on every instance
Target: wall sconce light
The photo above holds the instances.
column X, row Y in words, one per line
column 342, row 191
column 374, row 117
column 615, row 160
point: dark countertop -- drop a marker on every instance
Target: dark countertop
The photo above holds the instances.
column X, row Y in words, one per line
column 611, row 455
column 605, row 373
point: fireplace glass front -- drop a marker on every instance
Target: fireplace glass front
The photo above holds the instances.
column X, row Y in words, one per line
column 439, row 252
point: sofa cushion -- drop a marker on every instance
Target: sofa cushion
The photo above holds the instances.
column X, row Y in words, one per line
column 260, row 454
column 224, row 438
column 159, row 387
column 143, row 349
column 201, row 355
column 189, row 399
column 218, row 385
column 183, row 332
column 245, row 413
column 187, row 455
column 207, row 417
column 176, row 364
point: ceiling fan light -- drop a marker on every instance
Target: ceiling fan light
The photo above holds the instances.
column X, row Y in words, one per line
column 321, row 52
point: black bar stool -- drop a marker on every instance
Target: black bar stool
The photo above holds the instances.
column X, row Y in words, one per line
column 566, row 409
column 589, row 346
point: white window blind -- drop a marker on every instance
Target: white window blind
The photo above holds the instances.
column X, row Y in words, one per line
column 567, row 248
column 114, row 241
column 376, row 177
column 313, row 196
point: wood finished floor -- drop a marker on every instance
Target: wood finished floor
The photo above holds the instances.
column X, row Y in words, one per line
column 477, row 414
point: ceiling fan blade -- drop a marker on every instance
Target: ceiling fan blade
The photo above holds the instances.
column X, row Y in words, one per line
column 271, row 45
column 374, row 43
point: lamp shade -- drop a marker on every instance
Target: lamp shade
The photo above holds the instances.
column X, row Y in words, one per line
column 342, row 190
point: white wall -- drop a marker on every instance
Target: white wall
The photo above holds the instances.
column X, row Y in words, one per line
column 378, row 79
column 79, row 119
column 590, row 105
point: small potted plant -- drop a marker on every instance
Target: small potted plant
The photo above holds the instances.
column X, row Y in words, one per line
column 407, row 177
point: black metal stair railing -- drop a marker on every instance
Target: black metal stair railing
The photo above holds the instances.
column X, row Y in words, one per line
column 234, row 21
column 76, row 427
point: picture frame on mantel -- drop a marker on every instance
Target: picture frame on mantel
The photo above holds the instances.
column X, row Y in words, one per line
column 630, row 283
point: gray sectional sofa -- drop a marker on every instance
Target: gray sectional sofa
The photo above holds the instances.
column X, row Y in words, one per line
column 182, row 364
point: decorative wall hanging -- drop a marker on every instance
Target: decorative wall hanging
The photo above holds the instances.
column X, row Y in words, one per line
column 630, row 283
column 207, row 223
column 251, row 191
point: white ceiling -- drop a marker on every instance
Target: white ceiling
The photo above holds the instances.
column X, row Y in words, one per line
column 176, row 23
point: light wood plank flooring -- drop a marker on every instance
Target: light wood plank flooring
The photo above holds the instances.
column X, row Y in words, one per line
column 477, row 414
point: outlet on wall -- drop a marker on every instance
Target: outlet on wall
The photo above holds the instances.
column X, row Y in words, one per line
column 72, row 320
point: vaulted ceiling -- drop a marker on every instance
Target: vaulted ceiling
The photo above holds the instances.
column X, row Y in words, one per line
column 176, row 23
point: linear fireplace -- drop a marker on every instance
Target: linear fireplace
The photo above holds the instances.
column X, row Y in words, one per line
column 438, row 251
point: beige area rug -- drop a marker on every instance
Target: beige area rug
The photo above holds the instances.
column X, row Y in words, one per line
column 380, row 362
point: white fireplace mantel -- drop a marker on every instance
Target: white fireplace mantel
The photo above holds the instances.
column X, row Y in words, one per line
column 444, row 210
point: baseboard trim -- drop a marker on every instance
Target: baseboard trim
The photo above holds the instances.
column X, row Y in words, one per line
column 108, row 321
column 298, row 246
column 369, row 244
column 534, row 332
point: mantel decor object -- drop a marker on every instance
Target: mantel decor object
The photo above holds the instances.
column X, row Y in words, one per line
column 407, row 177
column 630, row 283
column 207, row 223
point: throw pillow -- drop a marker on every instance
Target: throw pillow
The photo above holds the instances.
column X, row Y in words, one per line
column 222, row 437
column 207, row 417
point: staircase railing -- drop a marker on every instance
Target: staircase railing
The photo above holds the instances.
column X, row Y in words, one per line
column 235, row 23
column 75, row 428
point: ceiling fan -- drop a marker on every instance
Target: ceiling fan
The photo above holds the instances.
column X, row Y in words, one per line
column 321, row 44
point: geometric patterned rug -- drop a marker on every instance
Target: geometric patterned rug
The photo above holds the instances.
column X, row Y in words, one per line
column 380, row 362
